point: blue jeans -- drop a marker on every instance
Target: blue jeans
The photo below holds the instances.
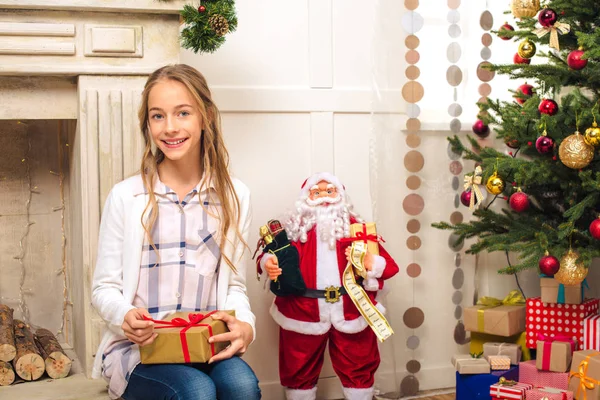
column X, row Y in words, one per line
column 225, row 380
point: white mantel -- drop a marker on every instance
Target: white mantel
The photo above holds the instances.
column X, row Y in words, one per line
column 86, row 61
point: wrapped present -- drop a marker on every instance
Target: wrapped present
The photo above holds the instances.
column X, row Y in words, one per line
column 591, row 333
column 528, row 373
column 585, row 375
column 477, row 387
column 473, row 366
column 455, row 358
column 554, row 353
column 507, row 389
column 512, row 350
column 499, row 363
column 549, row 394
column 478, row 341
column 368, row 233
column 555, row 292
column 557, row 319
column 183, row 338
column 497, row 317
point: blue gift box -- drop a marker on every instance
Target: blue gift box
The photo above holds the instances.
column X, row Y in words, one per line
column 477, row 387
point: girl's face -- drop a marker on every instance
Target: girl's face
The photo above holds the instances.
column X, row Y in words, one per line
column 174, row 121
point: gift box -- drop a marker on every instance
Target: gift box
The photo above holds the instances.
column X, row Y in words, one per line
column 497, row 317
column 499, row 363
column 368, row 233
column 472, row 366
column 477, row 387
column 506, row 389
column 554, row 354
column 455, row 358
column 591, row 333
column 512, row 350
column 555, row 292
column 557, row 319
column 548, row 393
column 585, row 375
column 183, row 338
column 478, row 341
column 528, row 373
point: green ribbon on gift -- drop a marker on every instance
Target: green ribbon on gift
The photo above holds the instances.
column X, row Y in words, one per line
column 514, row 298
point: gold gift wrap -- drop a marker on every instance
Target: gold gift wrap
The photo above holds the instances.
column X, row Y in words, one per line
column 358, row 230
column 167, row 347
column 473, row 366
column 550, row 292
column 479, row 340
column 584, row 378
column 512, row 350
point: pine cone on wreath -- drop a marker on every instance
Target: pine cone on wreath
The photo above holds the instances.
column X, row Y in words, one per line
column 219, row 24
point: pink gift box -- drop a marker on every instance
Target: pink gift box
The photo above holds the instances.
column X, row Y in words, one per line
column 549, row 393
column 557, row 319
column 591, row 333
column 528, row 373
column 504, row 391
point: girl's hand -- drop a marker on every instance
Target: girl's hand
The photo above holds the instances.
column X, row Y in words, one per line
column 240, row 335
column 138, row 330
column 272, row 267
column 367, row 262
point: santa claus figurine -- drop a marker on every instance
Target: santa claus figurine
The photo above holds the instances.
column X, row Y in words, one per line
column 325, row 312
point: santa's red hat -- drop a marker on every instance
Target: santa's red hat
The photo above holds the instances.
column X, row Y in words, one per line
column 318, row 177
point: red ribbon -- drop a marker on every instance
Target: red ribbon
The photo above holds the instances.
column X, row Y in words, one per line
column 363, row 236
column 548, row 347
column 194, row 320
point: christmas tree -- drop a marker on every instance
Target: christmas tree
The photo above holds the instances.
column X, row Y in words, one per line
column 551, row 176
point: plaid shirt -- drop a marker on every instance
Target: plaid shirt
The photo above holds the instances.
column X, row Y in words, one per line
column 181, row 277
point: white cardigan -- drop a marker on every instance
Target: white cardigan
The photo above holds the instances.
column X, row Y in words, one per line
column 119, row 255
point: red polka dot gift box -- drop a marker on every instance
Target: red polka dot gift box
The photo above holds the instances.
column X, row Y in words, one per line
column 551, row 320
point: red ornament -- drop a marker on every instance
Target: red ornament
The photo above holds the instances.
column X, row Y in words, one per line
column 574, row 60
column 549, row 265
column 503, row 29
column 595, row 228
column 519, row 201
column 481, row 129
column 547, row 17
column 548, row 106
column 465, row 198
column 517, row 59
column 201, row 9
column 526, row 90
column 544, row 144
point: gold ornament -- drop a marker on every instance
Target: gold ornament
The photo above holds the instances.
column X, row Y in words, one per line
column 526, row 49
column 495, row 184
column 571, row 272
column 592, row 135
column 574, row 152
column 524, row 8
column 219, row 24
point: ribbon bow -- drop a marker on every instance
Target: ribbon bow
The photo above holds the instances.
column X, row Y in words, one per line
column 506, row 382
column 194, row 319
column 585, row 383
column 472, row 182
column 554, row 30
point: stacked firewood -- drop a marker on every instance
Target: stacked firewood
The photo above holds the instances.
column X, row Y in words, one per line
column 28, row 354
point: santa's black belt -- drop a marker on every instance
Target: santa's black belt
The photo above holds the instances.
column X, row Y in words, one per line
column 331, row 294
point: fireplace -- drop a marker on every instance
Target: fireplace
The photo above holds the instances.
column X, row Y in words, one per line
column 71, row 75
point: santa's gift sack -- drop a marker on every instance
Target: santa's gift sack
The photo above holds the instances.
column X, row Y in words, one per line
column 479, row 340
column 290, row 282
column 555, row 292
column 584, row 379
column 512, row 350
column 528, row 373
column 557, row 319
column 506, row 389
column 591, row 333
column 548, row 393
column 554, row 353
column 504, row 317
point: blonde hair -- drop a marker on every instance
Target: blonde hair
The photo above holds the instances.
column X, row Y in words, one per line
column 214, row 158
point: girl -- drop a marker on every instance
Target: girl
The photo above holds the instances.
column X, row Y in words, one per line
column 171, row 239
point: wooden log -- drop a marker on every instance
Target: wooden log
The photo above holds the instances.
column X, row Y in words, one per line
column 8, row 351
column 29, row 364
column 7, row 374
column 58, row 364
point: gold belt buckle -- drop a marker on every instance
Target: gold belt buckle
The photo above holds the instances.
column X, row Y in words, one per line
column 332, row 294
